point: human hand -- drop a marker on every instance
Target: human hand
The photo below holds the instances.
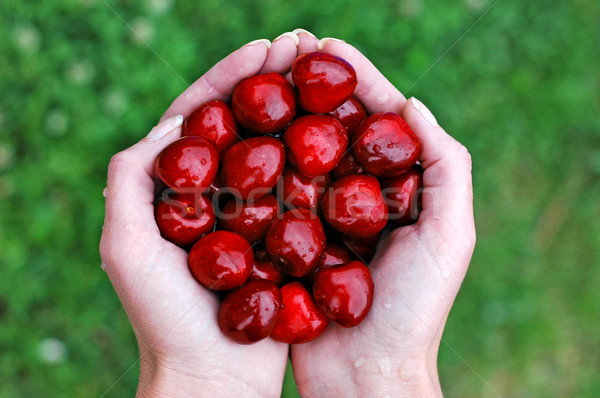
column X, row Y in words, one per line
column 182, row 350
column 417, row 270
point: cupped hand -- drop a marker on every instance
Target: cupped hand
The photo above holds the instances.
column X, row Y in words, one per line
column 417, row 270
column 182, row 350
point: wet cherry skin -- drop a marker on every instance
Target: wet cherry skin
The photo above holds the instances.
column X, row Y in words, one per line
column 344, row 293
column 315, row 144
column 296, row 242
column 188, row 165
column 221, row 260
column 183, row 219
column 214, row 121
column 297, row 191
column 323, row 81
column 402, row 195
column 263, row 268
column 249, row 313
column 251, row 168
column 333, row 255
column 353, row 205
column 251, row 219
column 350, row 113
column 384, row 145
column 265, row 103
column 347, row 166
column 359, row 247
column 300, row 320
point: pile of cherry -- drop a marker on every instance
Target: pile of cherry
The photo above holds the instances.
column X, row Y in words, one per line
column 281, row 197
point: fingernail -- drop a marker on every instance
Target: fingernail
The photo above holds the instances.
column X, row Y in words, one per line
column 165, row 127
column 266, row 42
column 424, row 111
column 291, row 35
column 105, row 192
column 300, row 30
column 324, row 40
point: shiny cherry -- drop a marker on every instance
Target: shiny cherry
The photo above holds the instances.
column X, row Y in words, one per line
column 251, row 168
column 214, row 121
column 263, row 268
column 333, row 255
column 350, row 113
column 249, row 313
column 188, row 165
column 221, row 260
column 323, row 81
column 296, row 242
column 402, row 195
column 359, row 247
column 264, row 103
column 297, row 191
column 183, row 219
column 315, row 144
column 344, row 293
column 300, row 320
column 353, row 205
column 385, row 146
column 347, row 166
column 251, row 219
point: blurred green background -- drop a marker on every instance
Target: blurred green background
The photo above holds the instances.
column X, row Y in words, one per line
column 520, row 90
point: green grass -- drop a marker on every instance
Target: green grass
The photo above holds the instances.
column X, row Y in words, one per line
column 520, row 90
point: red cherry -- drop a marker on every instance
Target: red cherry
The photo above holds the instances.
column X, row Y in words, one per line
column 188, row 165
column 402, row 195
column 353, row 205
column 315, row 144
column 347, row 166
column 300, row 320
column 264, row 103
column 333, row 255
column 213, row 121
column 249, row 313
column 344, row 293
column 263, row 268
column 221, row 260
column 296, row 242
column 324, row 81
column 183, row 219
column 296, row 191
column 350, row 113
column 385, row 146
column 249, row 219
column 251, row 168
column 359, row 247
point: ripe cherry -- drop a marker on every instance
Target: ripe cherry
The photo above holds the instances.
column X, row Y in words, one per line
column 353, row 205
column 183, row 219
column 297, row 191
column 214, row 121
column 315, row 144
column 263, row 268
column 249, row 313
column 385, row 146
column 347, row 166
column 300, row 320
column 402, row 195
column 350, row 113
column 344, row 293
column 323, row 81
column 251, row 219
column 221, row 260
column 333, row 255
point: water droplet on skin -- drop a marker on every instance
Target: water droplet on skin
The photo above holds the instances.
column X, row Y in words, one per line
column 203, row 162
column 359, row 362
column 376, row 148
column 445, row 272
column 390, row 146
column 244, row 386
column 385, row 366
column 105, row 192
column 355, row 334
column 443, row 298
column 387, row 305
column 406, row 370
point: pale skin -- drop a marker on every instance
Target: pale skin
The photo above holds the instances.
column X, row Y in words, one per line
column 417, row 270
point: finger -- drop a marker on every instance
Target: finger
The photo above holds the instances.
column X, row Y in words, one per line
column 307, row 41
column 282, row 53
column 221, row 79
column 372, row 89
column 130, row 187
column 447, row 198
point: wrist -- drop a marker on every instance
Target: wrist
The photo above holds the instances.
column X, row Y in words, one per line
column 161, row 379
